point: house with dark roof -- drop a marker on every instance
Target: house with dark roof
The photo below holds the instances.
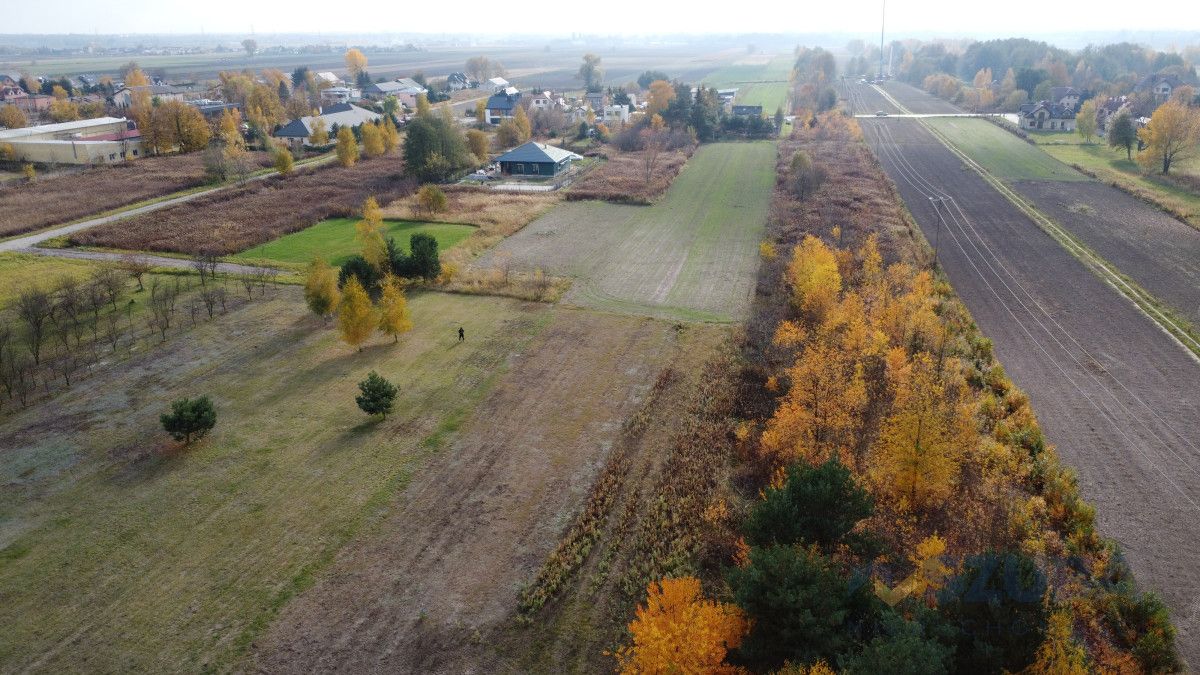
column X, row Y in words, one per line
column 1160, row 86
column 747, row 111
column 502, row 105
column 297, row 132
column 457, row 81
column 1046, row 115
column 405, row 89
column 1065, row 96
column 536, row 159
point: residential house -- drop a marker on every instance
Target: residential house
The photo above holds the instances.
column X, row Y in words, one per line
column 329, row 78
column 10, row 79
column 1108, row 108
column 502, row 105
column 536, row 159
column 615, row 113
column 1160, row 86
column 213, row 108
column 498, row 84
column 596, row 100
column 1068, row 97
column 747, row 111
column 298, row 132
column 1046, row 115
column 459, row 81
column 30, row 104
column 104, row 140
column 336, row 95
column 542, row 100
column 123, row 97
column 405, row 89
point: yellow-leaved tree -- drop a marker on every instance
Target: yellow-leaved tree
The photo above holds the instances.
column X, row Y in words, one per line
column 679, row 631
column 11, row 117
column 814, row 277
column 347, row 147
column 521, row 120
column 356, row 62
column 821, row 410
column 391, row 137
column 372, row 141
column 394, row 317
column 369, row 232
column 319, row 135
column 423, row 108
column 916, row 457
column 321, row 289
column 1172, row 135
column 1059, row 653
column 230, row 128
column 357, row 317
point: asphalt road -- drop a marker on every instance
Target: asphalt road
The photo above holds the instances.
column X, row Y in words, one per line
column 1116, row 395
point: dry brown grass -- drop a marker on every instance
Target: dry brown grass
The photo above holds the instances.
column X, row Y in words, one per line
column 622, row 178
column 73, row 195
column 237, row 219
column 497, row 214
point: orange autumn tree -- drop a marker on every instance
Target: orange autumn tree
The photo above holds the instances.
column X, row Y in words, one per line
column 916, row 457
column 679, row 631
column 814, row 277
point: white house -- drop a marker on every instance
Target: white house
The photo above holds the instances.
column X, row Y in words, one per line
column 123, row 97
column 498, row 84
column 1068, row 97
column 616, row 113
column 1046, row 115
column 335, row 95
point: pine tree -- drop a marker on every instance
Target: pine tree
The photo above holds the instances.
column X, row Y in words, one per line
column 378, row 395
column 320, row 288
column 357, row 318
column 394, row 317
column 189, row 419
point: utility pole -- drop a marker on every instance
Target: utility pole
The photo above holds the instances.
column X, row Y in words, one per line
column 882, row 24
column 937, row 237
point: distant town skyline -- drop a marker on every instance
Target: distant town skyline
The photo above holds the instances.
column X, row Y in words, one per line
column 617, row 16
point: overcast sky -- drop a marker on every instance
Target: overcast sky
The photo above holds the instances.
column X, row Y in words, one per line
column 966, row 17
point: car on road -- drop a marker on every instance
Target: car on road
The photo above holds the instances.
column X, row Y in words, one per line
column 880, row 113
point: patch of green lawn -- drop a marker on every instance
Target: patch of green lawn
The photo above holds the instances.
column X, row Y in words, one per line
column 764, row 84
column 121, row 552
column 19, row 271
column 334, row 240
column 1001, row 153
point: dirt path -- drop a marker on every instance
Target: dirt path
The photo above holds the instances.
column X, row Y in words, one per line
column 1119, row 398
column 28, row 243
column 420, row 594
column 156, row 260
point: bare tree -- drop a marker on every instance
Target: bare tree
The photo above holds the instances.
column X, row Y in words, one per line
column 209, row 297
column 112, row 280
column 34, row 307
column 136, row 267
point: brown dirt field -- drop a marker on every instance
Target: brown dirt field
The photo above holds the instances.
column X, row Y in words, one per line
column 1115, row 394
column 622, row 178
column 61, row 199
column 429, row 589
column 1157, row 251
column 236, row 219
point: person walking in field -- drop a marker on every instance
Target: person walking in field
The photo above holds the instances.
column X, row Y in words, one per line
column 462, row 335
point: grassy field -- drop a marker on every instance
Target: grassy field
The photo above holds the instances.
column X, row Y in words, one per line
column 19, row 271
column 1112, row 166
column 690, row 256
column 119, row 552
column 334, row 240
column 764, row 82
column 1000, row 152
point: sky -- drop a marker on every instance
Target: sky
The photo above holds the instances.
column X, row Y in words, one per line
column 965, row 17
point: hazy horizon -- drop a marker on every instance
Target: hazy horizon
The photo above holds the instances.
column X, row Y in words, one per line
column 937, row 18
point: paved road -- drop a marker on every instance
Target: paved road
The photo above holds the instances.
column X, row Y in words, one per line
column 156, row 260
column 27, row 242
